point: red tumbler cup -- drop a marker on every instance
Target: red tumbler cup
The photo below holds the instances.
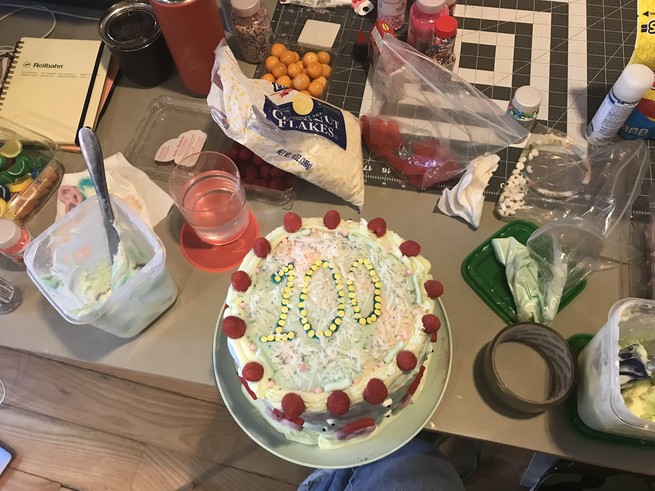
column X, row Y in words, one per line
column 192, row 30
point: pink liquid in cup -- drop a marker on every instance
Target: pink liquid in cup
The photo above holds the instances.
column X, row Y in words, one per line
column 215, row 206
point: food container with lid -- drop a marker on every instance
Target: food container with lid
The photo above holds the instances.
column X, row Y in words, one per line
column 29, row 171
column 600, row 402
column 67, row 260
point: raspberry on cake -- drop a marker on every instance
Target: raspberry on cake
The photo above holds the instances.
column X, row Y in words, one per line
column 330, row 323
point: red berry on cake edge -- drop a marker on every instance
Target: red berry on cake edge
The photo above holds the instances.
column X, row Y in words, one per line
column 410, row 248
column 292, row 222
column 338, row 403
column 331, row 219
column 252, row 371
column 406, row 361
column 293, row 405
column 433, row 288
column 417, row 380
column 431, row 323
column 261, row 247
column 378, row 226
column 240, row 281
column 375, row 392
column 233, row 327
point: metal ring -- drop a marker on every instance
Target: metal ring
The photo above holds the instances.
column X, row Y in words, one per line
column 552, row 346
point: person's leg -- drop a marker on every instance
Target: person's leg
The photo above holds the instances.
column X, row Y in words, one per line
column 326, row 480
column 417, row 466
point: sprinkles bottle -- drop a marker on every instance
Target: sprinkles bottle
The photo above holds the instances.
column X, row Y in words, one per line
column 252, row 28
column 524, row 106
column 13, row 240
column 442, row 49
column 422, row 17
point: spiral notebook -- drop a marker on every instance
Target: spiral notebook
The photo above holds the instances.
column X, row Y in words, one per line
column 55, row 86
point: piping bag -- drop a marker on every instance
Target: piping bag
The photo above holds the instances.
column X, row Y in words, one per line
column 536, row 294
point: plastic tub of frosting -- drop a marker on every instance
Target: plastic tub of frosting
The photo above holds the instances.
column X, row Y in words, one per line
column 71, row 265
column 601, row 404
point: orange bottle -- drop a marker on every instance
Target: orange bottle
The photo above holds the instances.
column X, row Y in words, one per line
column 192, row 30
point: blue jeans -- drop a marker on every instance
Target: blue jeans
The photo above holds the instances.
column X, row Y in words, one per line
column 417, row 466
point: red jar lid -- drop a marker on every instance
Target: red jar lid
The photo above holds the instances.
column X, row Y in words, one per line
column 445, row 26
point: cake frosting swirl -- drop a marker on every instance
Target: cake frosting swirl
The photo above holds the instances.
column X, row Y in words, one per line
column 330, row 323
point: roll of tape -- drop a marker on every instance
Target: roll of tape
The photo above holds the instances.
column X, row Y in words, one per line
column 552, row 346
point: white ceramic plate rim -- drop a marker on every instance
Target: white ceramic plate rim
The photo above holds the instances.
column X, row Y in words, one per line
column 386, row 440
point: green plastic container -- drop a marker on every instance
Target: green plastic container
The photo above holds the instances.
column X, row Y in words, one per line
column 486, row 275
column 577, row 343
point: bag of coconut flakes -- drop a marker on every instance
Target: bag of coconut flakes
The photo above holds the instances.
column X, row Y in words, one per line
column 292, row 131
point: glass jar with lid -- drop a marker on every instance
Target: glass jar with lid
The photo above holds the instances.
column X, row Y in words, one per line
column 252, row 28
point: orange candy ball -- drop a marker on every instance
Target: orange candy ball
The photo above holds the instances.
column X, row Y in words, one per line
column 270, row 62
column 277, row 49
column 288, row 57
column 284, row 80
column 316, row 88
column 323, row 57
column 314, row 70
column 279, row 70
column 301, row 82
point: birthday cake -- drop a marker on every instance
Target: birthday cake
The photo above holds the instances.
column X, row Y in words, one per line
column 330, row 323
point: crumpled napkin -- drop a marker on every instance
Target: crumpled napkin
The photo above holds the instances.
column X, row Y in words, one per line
column 130, row 184
column 466, row 198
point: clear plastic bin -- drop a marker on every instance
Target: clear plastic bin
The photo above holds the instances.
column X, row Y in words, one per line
column 600, row 403
column 78, row 243
column 42, row 170
column 168, row 117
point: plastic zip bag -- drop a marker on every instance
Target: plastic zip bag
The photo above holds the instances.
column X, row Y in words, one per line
column 427, row 122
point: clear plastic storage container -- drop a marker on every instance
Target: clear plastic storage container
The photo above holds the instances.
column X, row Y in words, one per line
column 30, row 177
column 74, row 249
column 600, row 402
column 169, row 117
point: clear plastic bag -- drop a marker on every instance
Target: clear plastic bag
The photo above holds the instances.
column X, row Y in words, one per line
column 427, row 122
column 583, row 205
column 593, row 233
column 555, row 178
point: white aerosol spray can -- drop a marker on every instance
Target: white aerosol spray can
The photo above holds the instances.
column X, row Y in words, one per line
column 622, row 98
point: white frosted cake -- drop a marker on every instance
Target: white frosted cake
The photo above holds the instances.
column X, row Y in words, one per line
column 330, row 324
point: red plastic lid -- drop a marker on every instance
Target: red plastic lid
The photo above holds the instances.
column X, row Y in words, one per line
column 445, row 26
column 217, row 258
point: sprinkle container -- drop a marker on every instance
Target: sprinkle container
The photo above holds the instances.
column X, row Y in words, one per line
column 252, row 28
column 78, row 241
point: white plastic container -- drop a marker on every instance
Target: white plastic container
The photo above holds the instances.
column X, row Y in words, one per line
column 600, row 403
column 78, row 243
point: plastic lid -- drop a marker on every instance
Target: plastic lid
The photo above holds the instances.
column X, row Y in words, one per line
column 445, row 27
column 245, row 8
column 10, row 233
column 430, row 6
column 634, row 81
column 128, row 26
column 527, row 99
